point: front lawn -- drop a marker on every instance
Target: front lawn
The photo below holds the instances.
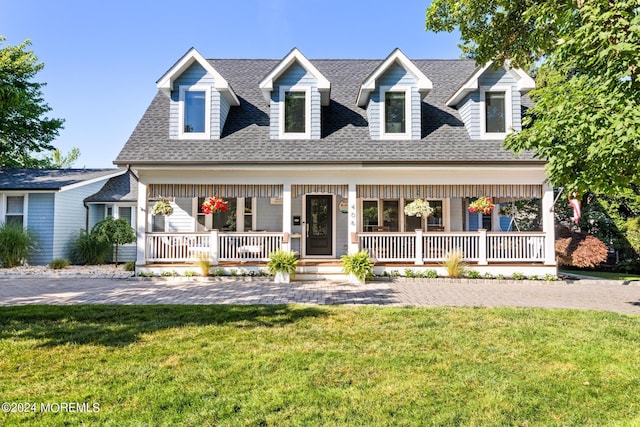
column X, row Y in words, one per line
column 309, row 365
column 604, row 274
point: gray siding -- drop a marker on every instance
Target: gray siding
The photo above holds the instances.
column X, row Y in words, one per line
column 294, row 76
column 342, row 229
column 70, row 216
column 182, row 219
column 470, row 114
column 96, row 214
column 395, row 75
column 40, row 217
column 456, row 214
column 196, row 75
column 269, row 216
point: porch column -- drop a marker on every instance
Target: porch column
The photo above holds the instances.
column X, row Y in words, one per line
column 548, row 225
column 352, row 213
column 142, row 218
column 482, row 247
column 419, row 247
column 286, row 215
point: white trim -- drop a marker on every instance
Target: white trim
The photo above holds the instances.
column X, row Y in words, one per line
column 369, row 85
column 324, row 86
column 307, row 112
column 25, row 206
column 86, row 182
column 524, row 83
column 408, row 122
column 508, row 112
column 207, row 113
column 165, row 83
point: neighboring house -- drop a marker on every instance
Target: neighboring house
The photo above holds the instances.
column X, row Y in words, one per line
column 321, row 156
column 49, row 202
column 117, row 198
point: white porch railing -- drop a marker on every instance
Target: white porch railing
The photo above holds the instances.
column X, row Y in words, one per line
column 480, row 247
column 216, row 246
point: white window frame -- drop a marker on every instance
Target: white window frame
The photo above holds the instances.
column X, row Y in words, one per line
column 407, row 113
column 207, row 113
column 307, row 112
column 402, row 202
column 508, row 112
column 25, row 201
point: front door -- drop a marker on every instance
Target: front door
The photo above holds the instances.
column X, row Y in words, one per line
column 319, row 225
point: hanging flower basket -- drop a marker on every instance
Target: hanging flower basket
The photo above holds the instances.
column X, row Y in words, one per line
column 162, row 207
column 482, row 205
column 212, row 205
column 419, row 208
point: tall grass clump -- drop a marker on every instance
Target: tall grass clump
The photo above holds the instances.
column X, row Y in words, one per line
column 89, row 249
column 454, row 264
column 16, row 243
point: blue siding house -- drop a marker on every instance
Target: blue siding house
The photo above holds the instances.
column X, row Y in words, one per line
column 50, row 203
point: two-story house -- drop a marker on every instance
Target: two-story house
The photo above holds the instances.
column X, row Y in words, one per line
column 322, row 156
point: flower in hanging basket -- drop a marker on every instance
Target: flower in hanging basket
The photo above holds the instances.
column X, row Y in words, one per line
column 482, row 205
column 162, row 207
column 419, row 208
column 212, row 205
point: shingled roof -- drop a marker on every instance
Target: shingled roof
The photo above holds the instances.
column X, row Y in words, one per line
column 345, row 132
column 49, row 179
column 121, row 188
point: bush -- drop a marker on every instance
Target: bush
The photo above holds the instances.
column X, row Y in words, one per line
column 431, row 274
column 282, row 262
column 87, row 248
column 59, row 264
column 16, row 243
column 130, row 266
column 579, row 249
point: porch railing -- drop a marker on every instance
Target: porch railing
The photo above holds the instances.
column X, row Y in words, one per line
column 214, row 245
column 480, row 247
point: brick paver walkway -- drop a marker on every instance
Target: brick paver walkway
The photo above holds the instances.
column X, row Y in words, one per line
column 580, row 294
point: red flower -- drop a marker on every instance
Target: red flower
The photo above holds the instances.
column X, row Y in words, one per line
column 483, row 204
column 213, row 205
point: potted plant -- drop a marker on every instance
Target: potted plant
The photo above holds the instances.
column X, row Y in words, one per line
column 162, row 207
column 282, row 265
column 357, row 266
column 419, row 208
column 214, row 204
column 482, row 205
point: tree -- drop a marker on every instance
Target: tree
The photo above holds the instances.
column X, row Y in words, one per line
column 114, row 231
column 586, row 55
column 24, row 128
column 58, row 160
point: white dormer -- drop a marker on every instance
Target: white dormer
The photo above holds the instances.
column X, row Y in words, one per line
column 200, row 98
column 489, row 101
column 392, row 95
column 295, row 91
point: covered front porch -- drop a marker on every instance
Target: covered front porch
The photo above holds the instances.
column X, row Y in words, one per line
column 325, row 221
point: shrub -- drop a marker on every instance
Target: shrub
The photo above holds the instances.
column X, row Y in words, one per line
column 114, row 231
column 488, row 275
column 431, row 274
column 518, row 276
column 204, row 263
column 472, row 274
column 409, row 273
column 59, row 264
column 130, row 266
column 454, row 264
column 189, row 273
column 87, row 248
column 16, row 243
column 358, row 264
column 579, row 249
column 219, row 271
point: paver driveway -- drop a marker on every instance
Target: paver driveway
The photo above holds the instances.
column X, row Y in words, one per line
column 593, row 295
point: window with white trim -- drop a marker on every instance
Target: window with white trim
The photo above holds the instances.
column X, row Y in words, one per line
column 295, row 112
column 14, row 213
column 395, row 112
column 495, row 109
column 195, row 112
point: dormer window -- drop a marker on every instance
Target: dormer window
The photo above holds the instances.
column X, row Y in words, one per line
column 195, row 105
column 494, row 118
column 395, row 110
column 295, row 112
column 495, row 108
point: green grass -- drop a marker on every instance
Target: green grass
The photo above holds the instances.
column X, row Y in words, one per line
column 604, row 274
column 308, row 365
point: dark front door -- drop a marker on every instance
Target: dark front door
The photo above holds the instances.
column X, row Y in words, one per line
column 319, row 225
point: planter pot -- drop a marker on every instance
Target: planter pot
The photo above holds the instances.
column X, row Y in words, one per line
column 352, row 278
column 281, row 277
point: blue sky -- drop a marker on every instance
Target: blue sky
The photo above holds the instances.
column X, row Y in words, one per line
column 102, row 59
